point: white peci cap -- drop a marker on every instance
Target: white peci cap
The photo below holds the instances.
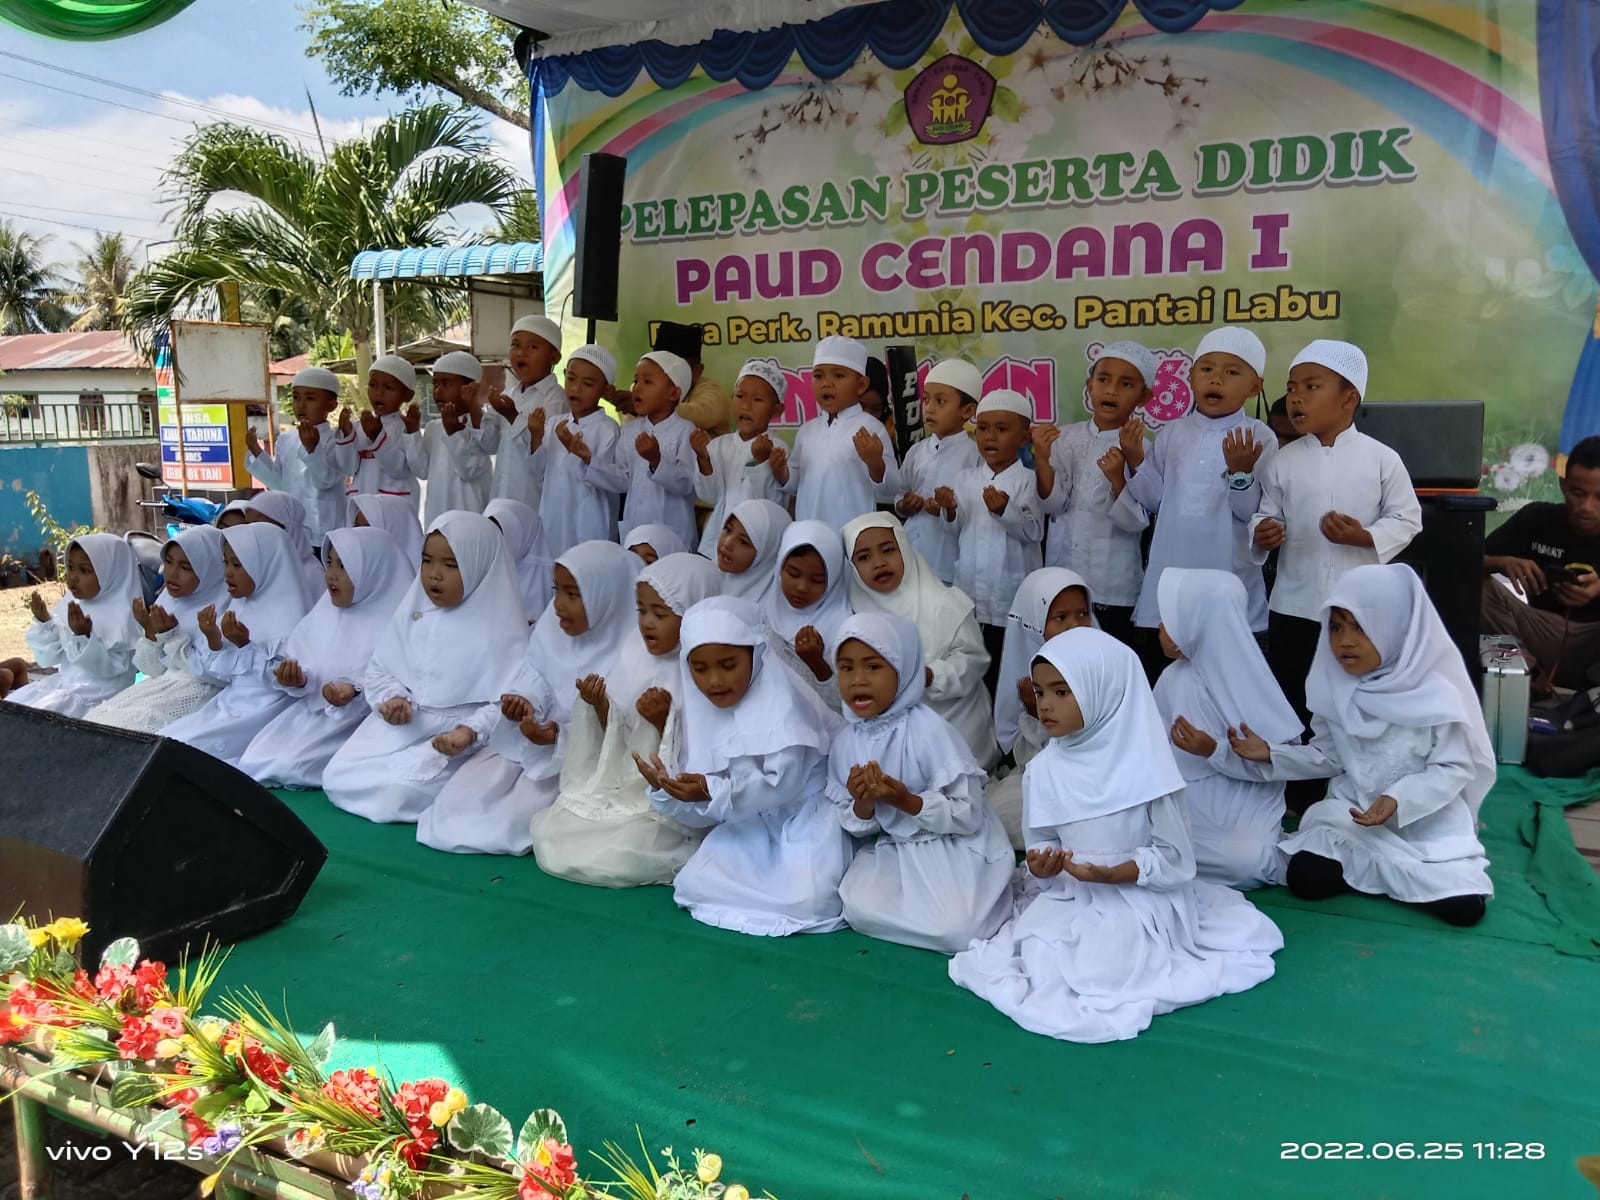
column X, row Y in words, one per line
column 1237, row 341
column 316, row 377
column 1008, row 401
column 1342, row 357
column 599, row 356
column 677, row 369
column 396, row 367
column 768, row 371
column 841, row 352
column 956, row 373
column 459, row 362
column 1141, row 358
column 542, row 327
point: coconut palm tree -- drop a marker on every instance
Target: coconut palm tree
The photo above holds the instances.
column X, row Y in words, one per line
column 32, row 299
column 258, row 210
column 104, row 268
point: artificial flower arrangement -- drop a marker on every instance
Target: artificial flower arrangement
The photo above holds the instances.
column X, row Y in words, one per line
column 241, row 1079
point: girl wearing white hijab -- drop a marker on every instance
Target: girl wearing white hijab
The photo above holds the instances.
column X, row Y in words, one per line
column 747, row 550
column 510, row 776
column 939, row 873
column 659, row 540
column 326, row 657
column 450, row 648
column 1396, row 724
column 1051, row 600
column 91, row 634
column 803, row 634
column 1219, row 681
column 752, row 768
column 239, row 649
column 891, row 577
column 524, row 536
column 601, row 828
column 288, row 514
column 1118, row 930
column 192, row 564
column 395, row 516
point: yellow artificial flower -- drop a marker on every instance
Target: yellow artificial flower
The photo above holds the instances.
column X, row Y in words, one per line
column 439, row 1113
column 736, row 1191
column 212, row 1028
column 709, row 1167
column 169, row 1048
column 456, row 1099
column 37, row 937
column 68, row 931
column 209, row 1184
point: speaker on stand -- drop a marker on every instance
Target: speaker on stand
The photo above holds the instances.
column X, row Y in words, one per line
column 597, row 232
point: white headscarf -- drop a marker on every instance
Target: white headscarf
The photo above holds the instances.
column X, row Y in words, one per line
column 337, row 643
column 777, row 713
column 663, row 539
column 1422, row 680
column 1222, row 678
column 111, row 610
column 395, row 516
column 830, row 610
column 280, row 599
column 242, row 507
column 289, row 514
column 682, row 581
column 202, row 546
column 466, row 654
column 765, row 523
column 1024, row 635
column 910, row 741
column 605, row 574
column 524, row 534
column 1120, row 758
column 936, row 609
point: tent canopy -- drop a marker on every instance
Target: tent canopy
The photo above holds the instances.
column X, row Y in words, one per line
column 574, row 26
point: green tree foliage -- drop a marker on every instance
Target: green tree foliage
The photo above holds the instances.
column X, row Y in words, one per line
column 33, row 296
column 104, row 269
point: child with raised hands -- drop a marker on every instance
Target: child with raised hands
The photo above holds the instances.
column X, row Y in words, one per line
column 191, row 573
column 655, row 452
column 1397, row 726
column 937, row 872
column 1117, row 929
column 752, row 770
column 304, row 461
column 950, row 394
column 519, row 416
column 748, row 549
column 807, row 604
column 583, row 474
column 449, row 452
column 1051, row 600
column 325, row 660
column 602, row 828
column 734, row 467
column 239, row 649
column 1218, row 680
column 891, row 577
column 91, row 635
column 449, row 649
column 372, row 451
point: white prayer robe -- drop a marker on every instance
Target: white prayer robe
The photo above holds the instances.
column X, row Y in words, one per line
column 735, row 477
column 1092, row 532
column 1004, row 794
column 316, row 478
column 930, row 464
column 519, row 475
column 1096, row 962
column 827, row 478
column 1200, row 520
column 249, row 698
column 90, row 669
column 456, row 466
column 664, row 495
column 1235, row 819
column 1358, row 476
column 996, row 553
column 170, row 689
column 377, row 466
column 580, row 499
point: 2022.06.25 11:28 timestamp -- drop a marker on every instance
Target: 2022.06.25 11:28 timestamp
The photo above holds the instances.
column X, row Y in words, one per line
column 1411, row 1151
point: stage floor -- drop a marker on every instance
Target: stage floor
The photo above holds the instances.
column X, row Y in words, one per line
column 837, row 1066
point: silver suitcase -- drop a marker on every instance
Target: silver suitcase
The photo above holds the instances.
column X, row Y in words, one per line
column 1505, row 695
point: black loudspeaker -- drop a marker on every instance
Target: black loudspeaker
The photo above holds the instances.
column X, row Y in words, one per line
column 597, row 232
column 1448, row 555
column 904, row 402
column 142, row 837
column 1440, row 441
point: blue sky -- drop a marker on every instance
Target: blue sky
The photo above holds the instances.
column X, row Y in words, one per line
column 70, row 164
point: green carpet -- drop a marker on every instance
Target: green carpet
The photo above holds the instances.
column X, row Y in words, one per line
column 837, row 1066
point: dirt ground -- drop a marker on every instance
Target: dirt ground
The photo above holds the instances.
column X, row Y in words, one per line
column 15, row 617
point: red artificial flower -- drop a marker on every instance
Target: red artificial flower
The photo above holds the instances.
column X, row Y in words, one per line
column 150, row 985
column 113, row 982
column 414, row 1099
column 13, row 1028
column 138, row 1038
column 83, row 985
column 196, row 1129
column 561, row 1171
column 266, row 1066
column 415, row 1151
column 356, row 1089
column 167, row 1021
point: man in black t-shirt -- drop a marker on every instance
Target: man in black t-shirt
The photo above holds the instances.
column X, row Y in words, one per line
column 1551, row 555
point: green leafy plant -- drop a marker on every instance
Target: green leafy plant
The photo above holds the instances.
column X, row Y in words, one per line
column 58, row 536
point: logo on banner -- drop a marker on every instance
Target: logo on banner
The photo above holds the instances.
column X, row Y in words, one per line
column 949, row 101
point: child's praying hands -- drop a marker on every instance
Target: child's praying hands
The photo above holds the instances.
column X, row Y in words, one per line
column 649, row 448
column 540, row 733
column 1248, row 745
column 396, row 710
column 1269, row 534
column 1241, row 451
column 1130, row 438
column 536, row 421
column 945, row 499
column 412, row 418
column 809, row 648
column 339, row 694
column 371, row 423
column 206, row 619
column 654, row 705
column 869, row 448
column 289, row 674
column 310, row 436
column 502, row 404
column 1113, row 463
column 1379, row 811
column 235, row 630
column 996, row 500
column 592, row 691
column 1046, row 862
column 81, row 624
column 346, row 424
column 39, row 609
column 515, row 708
column 1345, row 531
column 453, row 741
column 1194, row 741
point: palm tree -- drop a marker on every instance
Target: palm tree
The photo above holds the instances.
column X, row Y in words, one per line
column 293, row 221
column 31, row 295
column 105, row 268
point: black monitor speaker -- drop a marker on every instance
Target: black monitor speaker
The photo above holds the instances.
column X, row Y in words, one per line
column 142, row 837
column 1440, row 441
column 597, row 232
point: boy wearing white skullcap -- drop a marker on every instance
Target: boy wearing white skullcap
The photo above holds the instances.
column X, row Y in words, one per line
column 373, row 452
column 532, row 400
column 843, row 463
column 950, row 394
column 1082, row 475
column 449, row 451
column 305, row 462
column 735, row 467
column 1200, row 475
column 1333, row 499
column 995, row 509
column 583, row 473
column 655, row 453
